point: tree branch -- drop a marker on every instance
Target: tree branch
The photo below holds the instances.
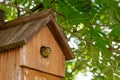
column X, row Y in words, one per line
column 18, row 10
column 114, row 49
column 40, row 6
column 58, row 13
column 91, row 24
column 73, row 33
column 28, row 11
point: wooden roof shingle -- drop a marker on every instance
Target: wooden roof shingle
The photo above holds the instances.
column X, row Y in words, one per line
column 18, row 32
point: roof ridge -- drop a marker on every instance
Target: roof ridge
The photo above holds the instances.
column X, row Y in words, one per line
column 25, row 19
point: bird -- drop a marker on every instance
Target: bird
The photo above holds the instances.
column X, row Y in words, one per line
column 45, row 51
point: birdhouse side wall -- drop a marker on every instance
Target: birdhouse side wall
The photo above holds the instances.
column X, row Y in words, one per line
column 9, row 65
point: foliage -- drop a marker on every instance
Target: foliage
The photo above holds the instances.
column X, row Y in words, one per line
column 92, row 28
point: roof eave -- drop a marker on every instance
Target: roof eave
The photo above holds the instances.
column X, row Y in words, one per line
column 61, row 40
column 25, row 19
column 52, row 25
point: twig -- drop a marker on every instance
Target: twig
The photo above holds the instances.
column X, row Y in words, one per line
column 98, row 24
column 58, row 13
column 18, row 10
column 22, row 9
column 103, row 25
column 73, row 33
column 39, row 6
column 28, row 11
column 113, row 49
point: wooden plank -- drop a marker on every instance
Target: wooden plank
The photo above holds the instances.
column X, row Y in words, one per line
column 35, row 28
column 11, row 46
column 61, row 40
column 9, row 65
column 30, row 74
column 6, row 35
column 25, row 19
column 19, row 35
column 30, row 54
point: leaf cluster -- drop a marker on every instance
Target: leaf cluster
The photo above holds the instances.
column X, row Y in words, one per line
column 92, row 28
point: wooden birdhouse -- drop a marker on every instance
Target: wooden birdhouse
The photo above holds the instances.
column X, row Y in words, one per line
column 33, row 48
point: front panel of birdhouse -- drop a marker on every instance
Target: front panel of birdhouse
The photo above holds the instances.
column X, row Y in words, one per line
column 30, row 74
column 32, row 59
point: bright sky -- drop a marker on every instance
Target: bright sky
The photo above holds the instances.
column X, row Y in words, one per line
column 81, row 76
column 1, row 0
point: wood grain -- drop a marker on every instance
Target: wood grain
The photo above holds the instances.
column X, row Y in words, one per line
column 19, row 35
column 9, row 65
column 19, row 31
column 26, row 19
column 30, row 54
column 30, row 74
column 61, row 40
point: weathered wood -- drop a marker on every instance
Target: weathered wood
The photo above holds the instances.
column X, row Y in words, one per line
column 9, row 65
column 30, row 54
column 25, row 19
column 20, row 43
column 60, row 38
column 19, row 35
column 30, row 74
column 18, row 32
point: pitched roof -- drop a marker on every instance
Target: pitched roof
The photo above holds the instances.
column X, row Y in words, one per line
column 18, row 32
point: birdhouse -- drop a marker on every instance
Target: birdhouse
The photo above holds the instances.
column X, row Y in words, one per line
column 33, row 48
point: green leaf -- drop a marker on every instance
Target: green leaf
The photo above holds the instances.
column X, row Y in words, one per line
column 93, row 39
column 115, row 33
